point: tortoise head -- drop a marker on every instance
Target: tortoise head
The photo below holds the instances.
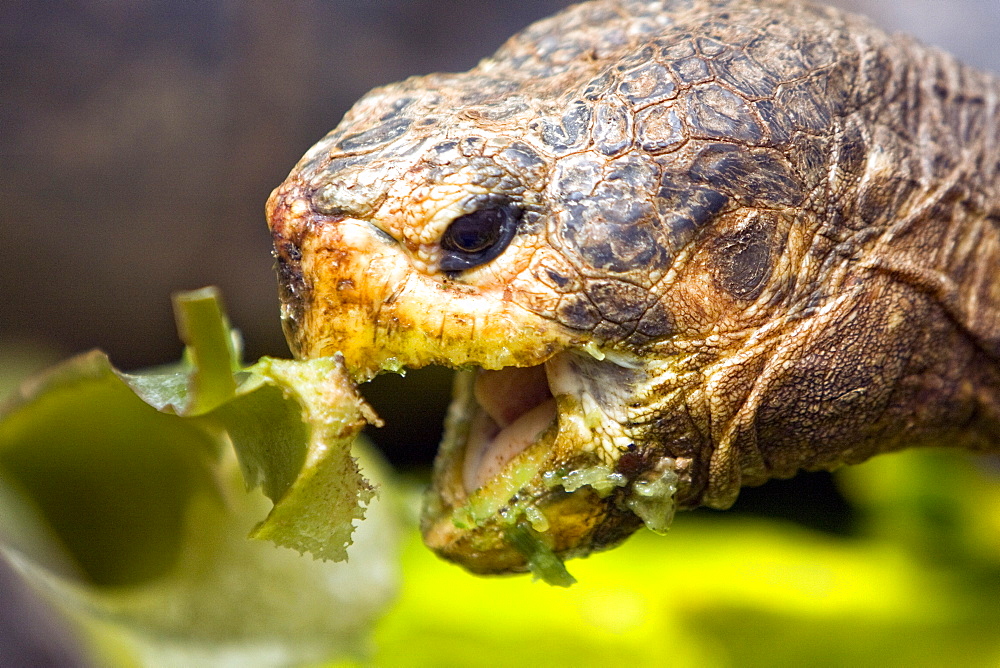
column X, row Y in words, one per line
column 614, row 230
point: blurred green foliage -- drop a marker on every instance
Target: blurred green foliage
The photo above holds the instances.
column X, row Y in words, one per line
column 121, row 501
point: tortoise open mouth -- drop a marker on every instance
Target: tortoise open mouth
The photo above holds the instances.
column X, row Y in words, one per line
column 513, row 407
column 529, row 465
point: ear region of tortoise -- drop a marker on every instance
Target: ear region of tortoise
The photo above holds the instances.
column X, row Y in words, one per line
column 672, row 248
column 744, row 258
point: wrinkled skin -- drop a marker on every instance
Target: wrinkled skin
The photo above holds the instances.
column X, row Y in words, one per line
column 751, row 238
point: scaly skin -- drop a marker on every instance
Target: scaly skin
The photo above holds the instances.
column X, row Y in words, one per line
column 777, row 224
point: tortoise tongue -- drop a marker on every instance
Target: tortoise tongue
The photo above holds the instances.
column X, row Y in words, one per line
column 515, row 407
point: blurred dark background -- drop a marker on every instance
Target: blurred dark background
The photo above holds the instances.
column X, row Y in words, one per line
column 139, row 141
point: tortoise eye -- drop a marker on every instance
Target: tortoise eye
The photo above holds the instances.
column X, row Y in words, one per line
column 478, row 237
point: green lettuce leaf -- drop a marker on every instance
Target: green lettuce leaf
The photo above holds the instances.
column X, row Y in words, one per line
column 293, row 436
column 123, row 498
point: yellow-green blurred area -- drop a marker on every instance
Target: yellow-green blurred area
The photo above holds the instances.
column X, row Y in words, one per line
column 716, row 593
column 919, row 586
